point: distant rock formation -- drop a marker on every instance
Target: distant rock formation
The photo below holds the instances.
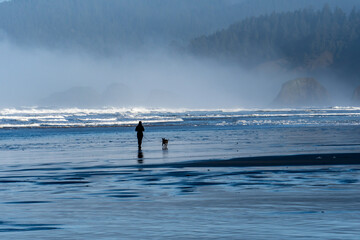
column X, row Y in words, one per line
column 302, row 92
column 73, row 97
column 117, row 94
column 356, row 96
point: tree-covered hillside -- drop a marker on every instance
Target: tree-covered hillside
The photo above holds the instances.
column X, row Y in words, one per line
column 108, row 25
column 305, row 39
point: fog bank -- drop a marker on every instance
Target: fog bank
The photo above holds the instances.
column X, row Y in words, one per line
column 149, row 77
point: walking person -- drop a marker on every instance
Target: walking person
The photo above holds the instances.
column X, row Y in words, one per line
column 140, row 129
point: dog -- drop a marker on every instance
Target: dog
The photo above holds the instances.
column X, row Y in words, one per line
column 165, row 143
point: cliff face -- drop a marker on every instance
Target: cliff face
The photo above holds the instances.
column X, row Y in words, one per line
column 302, row 92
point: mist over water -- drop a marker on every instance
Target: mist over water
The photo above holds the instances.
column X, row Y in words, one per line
column 73, row 90
column 150, row 77
column 153, row 76
column 56, row 68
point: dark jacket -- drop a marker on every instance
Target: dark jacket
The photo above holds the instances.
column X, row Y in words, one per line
column 140, row 129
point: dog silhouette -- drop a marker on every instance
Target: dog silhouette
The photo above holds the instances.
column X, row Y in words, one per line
column 165, row 143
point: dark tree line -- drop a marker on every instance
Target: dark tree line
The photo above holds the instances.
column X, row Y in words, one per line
column 305, row 38
column 107, row 25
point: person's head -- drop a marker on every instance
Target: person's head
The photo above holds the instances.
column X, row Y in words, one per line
column 140, row 123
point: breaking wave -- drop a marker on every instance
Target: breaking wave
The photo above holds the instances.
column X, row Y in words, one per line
column 117, row 117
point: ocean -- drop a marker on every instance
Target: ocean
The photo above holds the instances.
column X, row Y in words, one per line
column 227, row 173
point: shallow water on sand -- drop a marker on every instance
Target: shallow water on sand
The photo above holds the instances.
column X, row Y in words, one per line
column 53, row 202
column 93, row 183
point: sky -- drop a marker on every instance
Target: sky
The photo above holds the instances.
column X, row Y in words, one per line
column 149, row 76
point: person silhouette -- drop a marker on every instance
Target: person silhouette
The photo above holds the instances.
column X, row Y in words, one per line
column 140, row 129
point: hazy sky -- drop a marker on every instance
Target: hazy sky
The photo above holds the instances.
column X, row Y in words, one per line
column 153, row 76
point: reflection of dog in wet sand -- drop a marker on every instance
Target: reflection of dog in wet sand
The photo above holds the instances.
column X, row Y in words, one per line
column 165, row 143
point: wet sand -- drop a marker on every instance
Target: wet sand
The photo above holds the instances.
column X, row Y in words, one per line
column 142, row 202
column 93, row 184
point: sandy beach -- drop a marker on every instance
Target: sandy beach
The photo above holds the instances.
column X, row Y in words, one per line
column 214, row 181
column 237, row 203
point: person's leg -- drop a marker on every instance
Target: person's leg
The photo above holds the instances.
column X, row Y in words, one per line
column 140, row 141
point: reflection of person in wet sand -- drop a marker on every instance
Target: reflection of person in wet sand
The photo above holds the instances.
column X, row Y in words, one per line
column 140, row 129
column 140, row 157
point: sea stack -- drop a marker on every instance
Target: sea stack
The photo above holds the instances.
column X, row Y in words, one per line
column 302, row 92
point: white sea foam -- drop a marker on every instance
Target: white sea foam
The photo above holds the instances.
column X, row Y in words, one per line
column 76, row 117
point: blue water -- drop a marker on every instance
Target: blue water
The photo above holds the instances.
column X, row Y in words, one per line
column 74, row 117
column 77, row 174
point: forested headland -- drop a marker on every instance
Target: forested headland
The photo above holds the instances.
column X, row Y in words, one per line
column 303, row 39
column 301, row 36
column 112, row 25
